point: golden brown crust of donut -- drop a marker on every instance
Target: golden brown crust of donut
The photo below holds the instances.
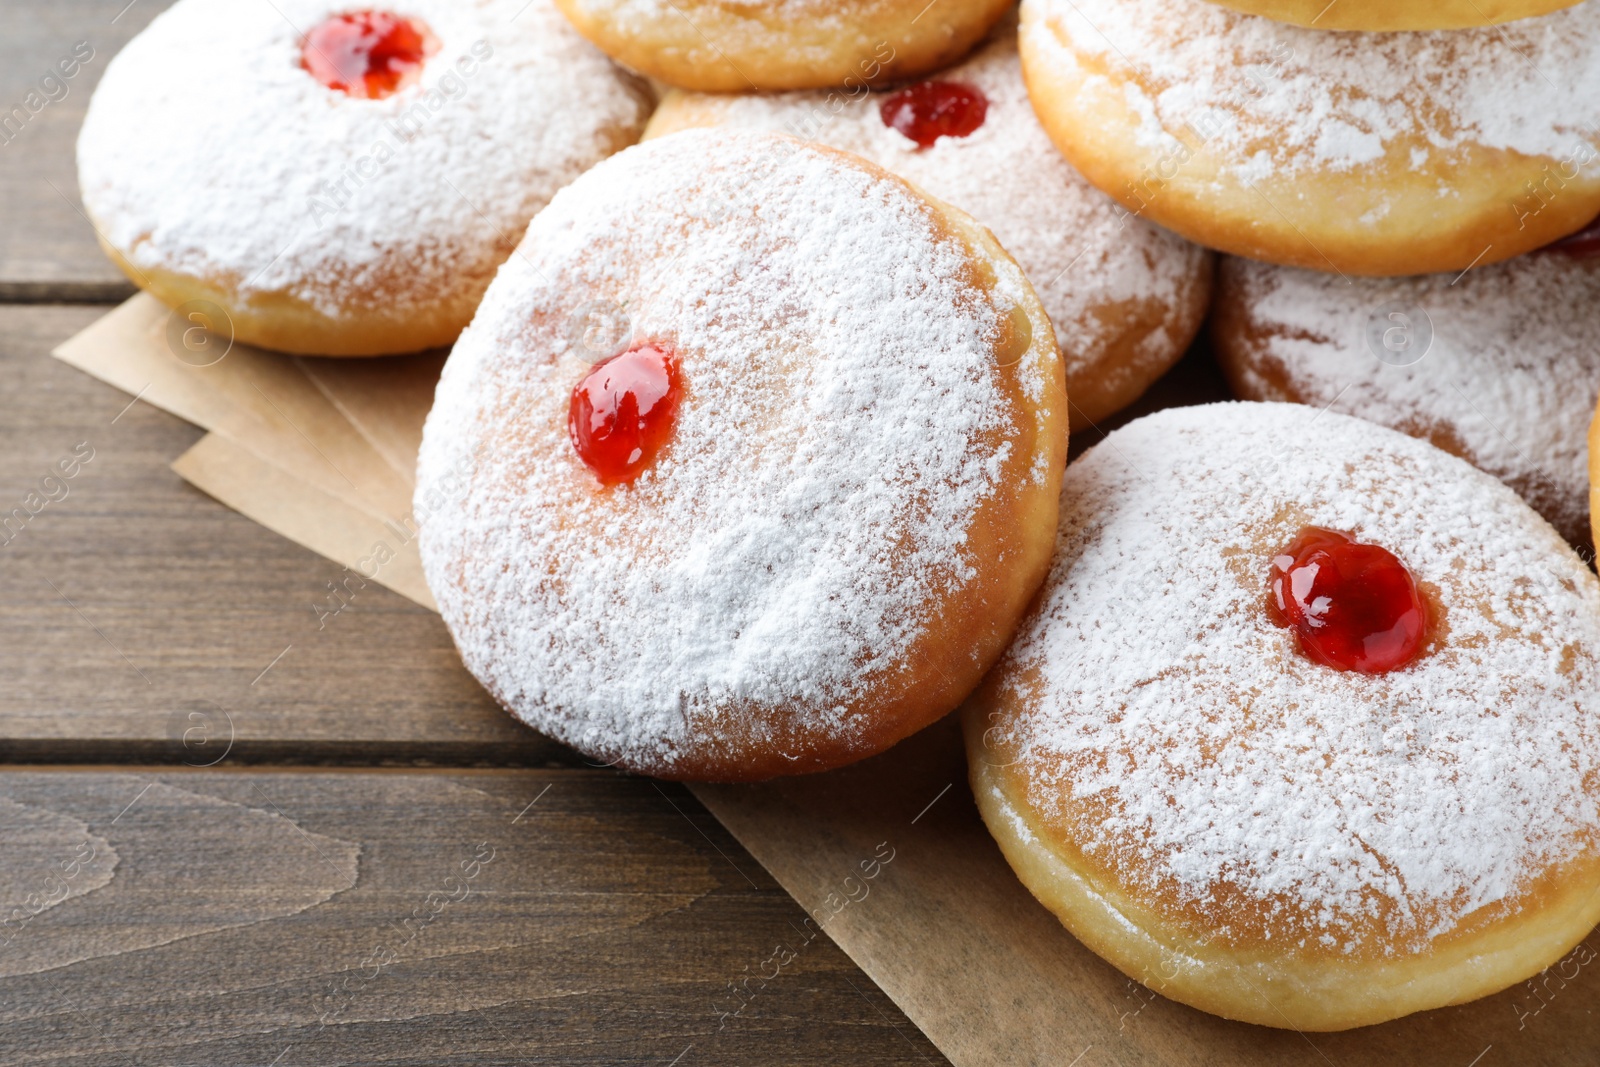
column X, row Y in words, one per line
column 1275, row 218
column 1127, row 372
column 284, row 324
column 1594, row 475
column 715, row 46
column 1255, row 982
column 1387, row 15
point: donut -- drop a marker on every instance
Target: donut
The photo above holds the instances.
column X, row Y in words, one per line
column 782, row 500
column 1387, row 16
column 1126, row 297
column 341, row 183
column 1498, row 366
column 1376, row 154
column 715, row 46
column 1303, row 731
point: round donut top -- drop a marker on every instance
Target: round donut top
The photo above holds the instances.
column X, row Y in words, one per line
column 844, row 413
column 1161, row 724
column 209, row 150
column 1269, row 99
column 1080, row 249
column 1508, row 382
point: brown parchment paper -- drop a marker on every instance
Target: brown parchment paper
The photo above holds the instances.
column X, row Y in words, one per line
column 259, row 399
column 384, row 399
column 346, row 531
column 888, row 858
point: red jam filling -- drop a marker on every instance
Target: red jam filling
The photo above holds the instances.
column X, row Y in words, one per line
column 368, row 54
column 930, row 110
column 1585, row 244
column 623, row 412
column 1354, row 606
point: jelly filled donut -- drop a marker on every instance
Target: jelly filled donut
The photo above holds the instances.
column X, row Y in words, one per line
column 1126, row 297
column 796, row 508
column 1355, row 153
column 1387, row 15
column 1303, row 731
column 717, row 46
column 342, row 182
column 1498, row 366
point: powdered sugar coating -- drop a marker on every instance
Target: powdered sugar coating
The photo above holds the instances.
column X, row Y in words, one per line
column 793, row 9
column 1181, row 741
column 766, row 23
column 1270, row 99
column 842, row 421
column 210, row 152
column 1087, row 258
column 1509, row 382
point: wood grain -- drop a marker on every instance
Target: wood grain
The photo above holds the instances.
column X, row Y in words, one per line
column 48, row 250
column 215, row 920
column 140, row 620
column 406, row 917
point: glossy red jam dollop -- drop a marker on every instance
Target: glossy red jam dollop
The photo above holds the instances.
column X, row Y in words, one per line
column 368, row 54
column 623, row 412
column 930, row 110
column 1585, row 244
column 1354, row 606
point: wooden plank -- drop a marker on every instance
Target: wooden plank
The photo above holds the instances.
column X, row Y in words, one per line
column 417, row 917
column 48, row 250
column 131, row 602
column 134, row 602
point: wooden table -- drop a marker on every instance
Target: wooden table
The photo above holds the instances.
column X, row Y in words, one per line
column 229, row 836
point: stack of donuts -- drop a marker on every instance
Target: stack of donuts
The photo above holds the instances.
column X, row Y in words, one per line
column 771, row 320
